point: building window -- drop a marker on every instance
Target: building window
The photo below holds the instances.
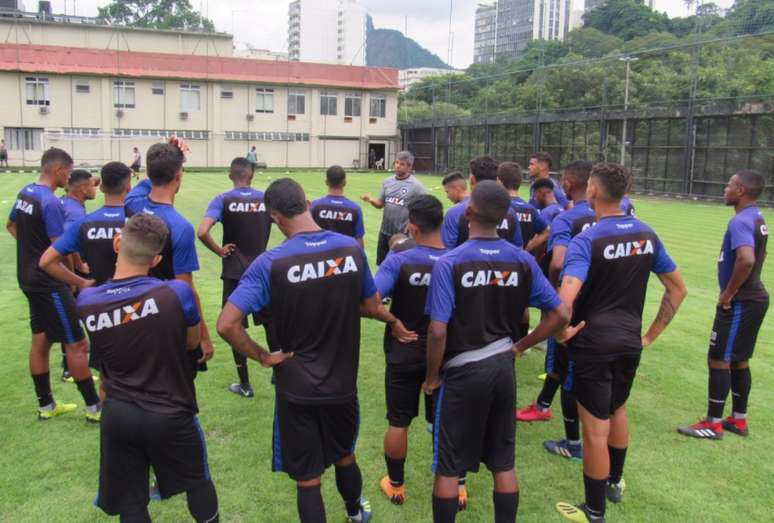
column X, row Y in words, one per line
column 190, row 98
column 245, row 136
column 264, row 100
column 82, row 87
column 123, row 94
column 160, row 133
column 23, row 138
column 157, row 88
column 37, row 91
column 72, row 132
column 352, row 104
column 378, row 106
column 296, row 102
column 227, row 93
column 327, row 103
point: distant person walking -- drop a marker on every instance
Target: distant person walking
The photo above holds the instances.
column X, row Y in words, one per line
column 252, row 157
column 136, row 162
column 3, row 154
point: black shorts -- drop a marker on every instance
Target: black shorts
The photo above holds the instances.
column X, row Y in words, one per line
column 474, row 419
column 132, row 440
column 310, row 438
column 736, row 329
column 602, row 387
column 54, row 314
column 383, row 247
column 3, row 157
column 229, row 286
column 557, row 358
column 403, row 388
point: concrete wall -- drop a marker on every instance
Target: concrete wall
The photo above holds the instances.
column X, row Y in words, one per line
column 104, row 132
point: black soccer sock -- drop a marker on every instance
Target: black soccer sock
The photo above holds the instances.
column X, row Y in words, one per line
column 136, row 515
column 617, row 459
column 595, row 496
column 65, row 367
column 570, row 414
column 395, row 469
column 310, row 504
column 741, row 383
column 241, row 367
column 87, row 390
column 444, row 509
column 506, row 504
column 547, row 393
column 719, row 385
column 349, row 481
column 42, row 384
column 203, row 503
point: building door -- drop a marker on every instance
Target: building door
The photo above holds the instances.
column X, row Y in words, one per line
column 377, row 155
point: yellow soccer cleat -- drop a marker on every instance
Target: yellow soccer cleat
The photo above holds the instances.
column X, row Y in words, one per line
column 58, row 410
column 94, row 417
column 396, row 495
column 577, row 513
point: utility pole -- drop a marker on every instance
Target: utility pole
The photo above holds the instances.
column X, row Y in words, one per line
column 628, row 60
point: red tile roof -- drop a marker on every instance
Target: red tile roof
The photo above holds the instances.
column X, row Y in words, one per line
column 76, row 60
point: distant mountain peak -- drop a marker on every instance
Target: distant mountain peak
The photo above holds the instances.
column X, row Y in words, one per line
column 390, row 48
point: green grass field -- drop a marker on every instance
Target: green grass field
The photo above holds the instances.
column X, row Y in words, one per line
column 49, row 470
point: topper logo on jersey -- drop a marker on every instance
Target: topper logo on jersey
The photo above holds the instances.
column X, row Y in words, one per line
column 614, row 251
column 342, row 216
column 247, row 207
column 419, row 279
column 102, row 233
column 25, row 207
column 321, row 269
column 490, row 277
column 121, row 316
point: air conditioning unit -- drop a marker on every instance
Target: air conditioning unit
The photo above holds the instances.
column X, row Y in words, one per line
column 250, row 117
column 184, row 115
column 119, row 113
column 43, row 109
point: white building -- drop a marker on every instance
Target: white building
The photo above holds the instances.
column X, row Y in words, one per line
column 327, row 31
column 485, row 33
column 409, row 77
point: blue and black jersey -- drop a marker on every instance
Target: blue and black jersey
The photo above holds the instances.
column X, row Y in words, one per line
column 532, row 223
column 312, row 285
column 456, row 228
column 73, row 210
column 480, row 290
column 614, row 260
column 339, row 214
column 246, row 224
column 747, row 228
column 405, row 276
column 179, row 253
column 92, row 237
column 138, row 329
column 39, row 216
column 570, row 223
column 561, row 198
column 627, row 206
column 549, row 212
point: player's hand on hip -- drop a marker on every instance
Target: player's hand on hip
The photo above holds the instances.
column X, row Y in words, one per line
column 227, row 249
column 403, row 335
column 569, row 332
column 208, row 350
column 517, row 352
column 724, row 301
column 431, row 385
column 272, row 359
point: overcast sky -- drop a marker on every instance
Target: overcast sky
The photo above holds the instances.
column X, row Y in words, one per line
column 263, row 23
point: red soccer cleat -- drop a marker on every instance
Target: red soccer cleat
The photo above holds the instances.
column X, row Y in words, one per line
column 533, row 413
column 736, row 425
column 703, row 430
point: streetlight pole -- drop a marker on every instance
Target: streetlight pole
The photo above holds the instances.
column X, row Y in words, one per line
column 628, row 60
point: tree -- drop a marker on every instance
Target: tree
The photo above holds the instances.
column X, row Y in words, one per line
column 592, row 43
column 156, row 14
column 626, row 19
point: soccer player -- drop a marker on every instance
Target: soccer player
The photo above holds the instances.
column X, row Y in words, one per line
column 335, row 212
column 604, row 281
column 92, row 236
column 396, row 194
column 405, row 277
column 564, row 227
column 142, row 329
column 455, row 223
column 478, row 293
column 36, row 221
column 740, row 311
column 136, row 162
column 315, row 285
column 246, row 229
column 540, row 169
column 534, row 229
column 455, row 187
column 546, row 201
column 156, row 195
